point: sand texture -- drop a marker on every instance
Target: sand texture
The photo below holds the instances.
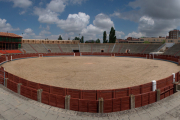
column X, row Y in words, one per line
column 91, row 73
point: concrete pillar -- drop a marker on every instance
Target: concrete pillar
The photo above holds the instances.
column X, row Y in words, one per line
column 5, row 82
column 101, row 105
column 146, row 56
column 11, row 57
column 114, row 55
column 132, row 97
column 19, row 88
column 158, row 94
column 175, row 87
column 174, row 77
column 39, row 95
column 154, row 85
column 74, row 55
column 67, row 102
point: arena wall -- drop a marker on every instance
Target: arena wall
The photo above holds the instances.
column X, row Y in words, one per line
column 88, row 100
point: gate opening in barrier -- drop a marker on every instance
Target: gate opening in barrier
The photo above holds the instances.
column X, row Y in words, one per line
column 102, row 50
column 76, row 51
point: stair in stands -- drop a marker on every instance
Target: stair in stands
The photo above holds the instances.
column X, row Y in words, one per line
column 33, row 48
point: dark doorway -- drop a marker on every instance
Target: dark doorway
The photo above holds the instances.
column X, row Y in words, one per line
column 76, row 51
column 102, row 51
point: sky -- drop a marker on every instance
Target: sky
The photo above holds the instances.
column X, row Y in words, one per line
column 41, row 19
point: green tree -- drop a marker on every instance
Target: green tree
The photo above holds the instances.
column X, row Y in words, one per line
column 112, row 37
column 164, row 41
column 104, row 37
column 60, row 38
column 76, row 38
column 68, row 38
column 82, row 39
column 98, row 41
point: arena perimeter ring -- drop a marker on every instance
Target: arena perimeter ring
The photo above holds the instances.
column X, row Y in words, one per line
column 91, row 73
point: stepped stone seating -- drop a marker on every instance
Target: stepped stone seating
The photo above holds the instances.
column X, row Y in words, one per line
column 106, row 47
column 28, row 48
column 136, row 48
column 85, row 47
column 69, row 47
column 152, row 48
column 174, row 50
column 39, row 48
column 53, row 47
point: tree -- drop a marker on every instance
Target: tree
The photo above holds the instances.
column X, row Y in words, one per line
column 68, row 38
column 82, row 39
column 104, row 37
column 76, row 38
column 98, row 41
column 60, row 38
column 112, row 37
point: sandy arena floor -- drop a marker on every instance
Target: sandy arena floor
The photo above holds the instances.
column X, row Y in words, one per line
column 91, row 73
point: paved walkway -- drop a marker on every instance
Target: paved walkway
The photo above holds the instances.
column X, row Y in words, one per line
column 17, row 107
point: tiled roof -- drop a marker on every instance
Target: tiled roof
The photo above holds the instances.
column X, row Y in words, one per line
column 9, row 34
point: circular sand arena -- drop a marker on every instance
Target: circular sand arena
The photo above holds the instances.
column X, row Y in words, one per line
column 91, row 73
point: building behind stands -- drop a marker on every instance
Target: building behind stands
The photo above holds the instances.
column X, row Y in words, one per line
column 9, row 41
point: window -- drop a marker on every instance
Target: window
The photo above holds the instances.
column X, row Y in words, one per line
column 141, row 39
column 178, row 40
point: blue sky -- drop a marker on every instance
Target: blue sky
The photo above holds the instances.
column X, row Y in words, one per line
column 40, row 19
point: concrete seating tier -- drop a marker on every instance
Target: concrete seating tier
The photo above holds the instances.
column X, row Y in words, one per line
column 28, row 48
column 40, row 48
column 174, row 50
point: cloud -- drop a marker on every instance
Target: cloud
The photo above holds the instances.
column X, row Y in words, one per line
column 155, row 17
column 4, row 27
column 74, row 22
column 77, row 1
column 21, row 3
column 119, row 34
column 22, row 12
column 56, row 6
column 46, row 16
column 101, row 23
column 135, row 35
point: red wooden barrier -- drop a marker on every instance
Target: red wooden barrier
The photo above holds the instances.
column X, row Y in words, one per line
column 138, row 101
column 74, row 104
column 152, row 97
column 33, row 85
column 105, row 94
column 93, row 106
column 145, row 99
column 108, row 106
column 45, row 88
column 83, row 105
column 125, row 103
column 146, row 88
column 57, row 90
column 52, row 100
column 74, row 93
column 116, row 104
column 161, row 83
column 23, row 81
column 16, row 79
column 135, row 90
column 60, row 101
column 89, row 94
column 121, row 92
column 45, row 98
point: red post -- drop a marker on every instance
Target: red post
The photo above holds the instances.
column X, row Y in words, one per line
column 178, row 61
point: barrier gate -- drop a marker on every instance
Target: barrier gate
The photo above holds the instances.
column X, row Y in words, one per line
column 2, row 75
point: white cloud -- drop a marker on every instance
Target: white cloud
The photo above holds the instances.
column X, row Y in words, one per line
column 4, row 27
column 147, row 20
column 44, row 32
column 135, row 35
column 56, row 6
column 77, row 1
column 119, row 34
column 46, row 16
column 22, row 12
column 74, row 22
column 103, row 21
column 22, row 3
column 155, row 17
